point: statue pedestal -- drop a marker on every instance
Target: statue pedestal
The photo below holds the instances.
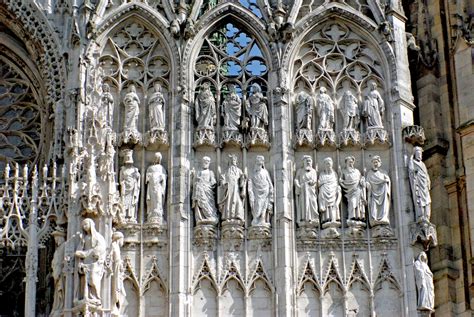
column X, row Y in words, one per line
column 231, row 137
column 204, row 136
column 425, row 232
column 325, row 137
column 156, row 137
column 260, row 232
column 131, row 137
column 382, row 231
column 205, row 235
column 258, row 137
column 376, row 135
column 349, row 138
column 308, row 230
column 330, row 230
column 356, row 229
column 304, row 138
column 87, row 308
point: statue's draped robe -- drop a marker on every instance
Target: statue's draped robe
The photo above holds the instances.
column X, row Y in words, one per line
column 329, row 196
column 232, row 109
column 157, row 120
column 379, row 197
column 203, row 197
column 231, row 203
column 354, row 192
column 306, row 197
column 155, row 196
column 373, row 109
column 261, row 196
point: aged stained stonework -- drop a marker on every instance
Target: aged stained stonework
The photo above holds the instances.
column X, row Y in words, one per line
column 235, row 158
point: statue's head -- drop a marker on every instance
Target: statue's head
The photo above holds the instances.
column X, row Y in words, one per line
column 206, row 161
column 322, row 90
column 417, row 153
column 328, row 163
column 127, row 156
column 132, row 88
column 373, row 85
column 88, row 225
column 350, row 160
column 302, row 96
column 423, row 257
column 376, row 162
column 59, row 236
column 117, row 236
column 307, row 161
column 158, row 158
column 105, row 87
column 256, row 88
column 233, row 159
column 157, row 86
column 260, row 161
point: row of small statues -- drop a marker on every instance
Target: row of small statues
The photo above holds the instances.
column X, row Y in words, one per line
column 91, row 257
column 316, row 196
column 373, row 109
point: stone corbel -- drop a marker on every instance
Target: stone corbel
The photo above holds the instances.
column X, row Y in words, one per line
column 423, row 232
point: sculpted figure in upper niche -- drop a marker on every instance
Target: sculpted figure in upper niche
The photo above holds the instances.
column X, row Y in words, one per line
column 232, row 191
column 420, row 185
column 155, row 105
column 132, row 109
column 350, row 111
column 325, row 107
column 260, row 193
column 203, row 198
column 374, row 107
column 205, row 106
column 256, row 106
column 305, row 182
column 232, row 109
column 304, row 111
column 107, row 105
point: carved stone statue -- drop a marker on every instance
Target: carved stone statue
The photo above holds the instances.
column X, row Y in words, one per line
column 329, row 195
column 107, row 105
column 132, row 110
column 304, row 111
column 374, row 107
column 424, row 283
column 205, row 106
column 420, row 185
column 155, row 106
column 350, row 111
column 117, row 289
column 257, row 109
column 325, row 107
column 156, row 191
column 232, row 191
column 261, row 194
column 354, row 187
column 378, row 194
column 305, row 189
column 57, row 273
column 90, row 256
column 129, row 186
column 232, row 109
column 203, row 198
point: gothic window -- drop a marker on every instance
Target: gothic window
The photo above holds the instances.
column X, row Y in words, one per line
column 21, row 117
column 335, row 65
column 135, row 56
column 232, row 63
